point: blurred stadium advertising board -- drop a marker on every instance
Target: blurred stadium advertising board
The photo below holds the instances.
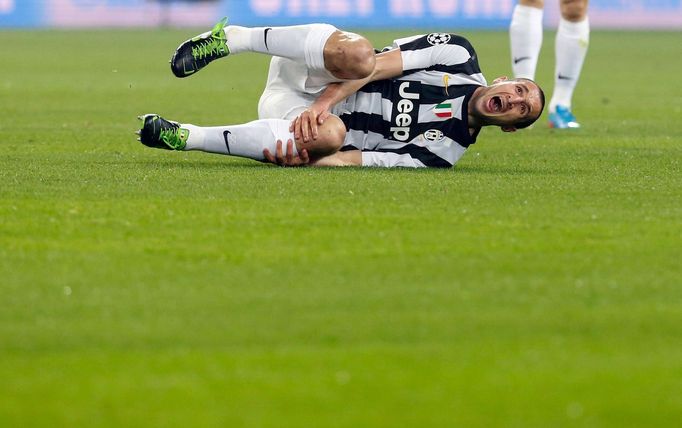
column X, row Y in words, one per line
column 441, row 14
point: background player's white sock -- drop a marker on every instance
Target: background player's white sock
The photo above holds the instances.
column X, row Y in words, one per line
column 572, row 40
column 525, row 35
column 247, row 140
column 298, row 42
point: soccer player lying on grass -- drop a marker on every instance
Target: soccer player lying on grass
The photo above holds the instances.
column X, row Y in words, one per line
column 335, row 102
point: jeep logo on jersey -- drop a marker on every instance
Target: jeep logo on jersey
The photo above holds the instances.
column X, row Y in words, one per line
column 438, row 38
column 433, row 135
column 405, row 114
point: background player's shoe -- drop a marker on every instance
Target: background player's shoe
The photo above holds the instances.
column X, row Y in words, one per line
column 160, row 133
column 562, row 118
column 195, row 53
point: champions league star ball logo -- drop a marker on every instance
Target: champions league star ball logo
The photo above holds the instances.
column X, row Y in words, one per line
column 438, row 38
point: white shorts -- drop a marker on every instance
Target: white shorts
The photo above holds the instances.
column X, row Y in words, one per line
column 293, row 86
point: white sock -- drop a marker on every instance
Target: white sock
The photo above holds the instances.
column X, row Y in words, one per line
column 572, row 40
column 298, row 42
column 247, row 140
column 525, row 35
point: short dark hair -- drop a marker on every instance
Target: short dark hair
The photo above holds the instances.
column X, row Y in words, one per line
column 529, row 122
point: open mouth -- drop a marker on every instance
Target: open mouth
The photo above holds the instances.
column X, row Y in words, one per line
column 495, row 104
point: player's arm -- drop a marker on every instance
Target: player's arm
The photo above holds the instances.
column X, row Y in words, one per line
column 345, row 158
column 388, row 64
column 288, row 158
column 369, row 159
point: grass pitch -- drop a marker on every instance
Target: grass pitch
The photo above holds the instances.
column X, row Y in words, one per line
column 536, row 284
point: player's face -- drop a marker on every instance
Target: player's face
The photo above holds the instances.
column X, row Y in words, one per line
column 508, row 102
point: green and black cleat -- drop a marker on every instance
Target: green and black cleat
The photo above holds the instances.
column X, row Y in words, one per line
column 197, row 52
column 160, row 133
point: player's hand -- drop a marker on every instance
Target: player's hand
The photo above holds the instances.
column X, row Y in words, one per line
column 305, row 126
column 288, row 159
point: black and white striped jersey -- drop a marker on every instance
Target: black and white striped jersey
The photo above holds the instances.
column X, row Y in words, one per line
column 420, row 118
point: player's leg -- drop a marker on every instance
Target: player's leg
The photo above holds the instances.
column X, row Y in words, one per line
column 319, row 46
column 525, row 35
column 572, row 40
column 246, row 140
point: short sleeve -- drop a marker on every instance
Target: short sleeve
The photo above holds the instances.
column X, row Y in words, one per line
column 436, row 49
column 390, row 160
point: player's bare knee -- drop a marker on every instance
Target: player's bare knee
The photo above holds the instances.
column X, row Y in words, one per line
column 331, row 135
column 539, row 4
column 349, row 56
column 573, row 10
column 360, row 59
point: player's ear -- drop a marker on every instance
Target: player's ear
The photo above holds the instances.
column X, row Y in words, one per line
column 500, row 79
column 508, row 128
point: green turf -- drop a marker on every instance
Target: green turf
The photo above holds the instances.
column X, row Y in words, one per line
column 537, row 284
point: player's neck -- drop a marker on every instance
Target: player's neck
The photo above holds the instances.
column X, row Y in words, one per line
column 473, row 120
column 473, row 124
